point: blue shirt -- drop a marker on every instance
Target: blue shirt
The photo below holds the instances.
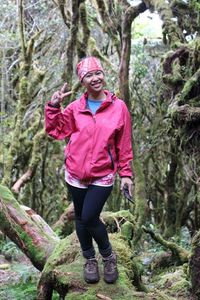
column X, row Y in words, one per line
column 93, row 105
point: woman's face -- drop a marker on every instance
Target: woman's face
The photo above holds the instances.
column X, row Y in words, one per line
column 94, row 81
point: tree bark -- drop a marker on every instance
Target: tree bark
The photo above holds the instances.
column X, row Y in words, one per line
column 140, row 210
column 130, row 14
column 194, row 265
column 21, row 27
column 72, row 41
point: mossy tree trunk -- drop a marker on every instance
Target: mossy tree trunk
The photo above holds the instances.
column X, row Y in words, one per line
column 170, row 198
column 194, row 265
column 71, row 43
column 181, row 74
column 30, row 77
column 129, row 15
column 184, row 110
column 140, row 210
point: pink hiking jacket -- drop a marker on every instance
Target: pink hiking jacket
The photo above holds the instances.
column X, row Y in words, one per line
column 99, row 144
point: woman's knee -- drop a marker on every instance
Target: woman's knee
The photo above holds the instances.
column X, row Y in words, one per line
column 89, row 222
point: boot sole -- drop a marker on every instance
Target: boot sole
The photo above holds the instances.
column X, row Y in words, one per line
column 112, row 281
column 91, row 281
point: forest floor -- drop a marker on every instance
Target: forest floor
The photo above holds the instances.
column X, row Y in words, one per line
column 18, row 281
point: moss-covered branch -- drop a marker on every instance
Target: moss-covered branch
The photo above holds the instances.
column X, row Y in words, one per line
column 185, row 114
column 172, row 35
column 28, row 231
column 184, row 11
column 37, row 147
column 180, row 254
column 64, row 226
column 108, row 23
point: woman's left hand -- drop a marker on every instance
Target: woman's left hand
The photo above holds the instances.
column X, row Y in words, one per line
column 128, row 182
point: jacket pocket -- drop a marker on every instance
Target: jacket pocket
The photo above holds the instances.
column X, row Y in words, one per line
column 111, row 157
column 67, row 151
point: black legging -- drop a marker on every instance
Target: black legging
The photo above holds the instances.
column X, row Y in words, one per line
column 88, row 204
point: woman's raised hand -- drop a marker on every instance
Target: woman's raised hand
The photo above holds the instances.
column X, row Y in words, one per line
column 59, row 96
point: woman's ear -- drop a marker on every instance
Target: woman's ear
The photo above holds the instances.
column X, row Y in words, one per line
column 82, row 82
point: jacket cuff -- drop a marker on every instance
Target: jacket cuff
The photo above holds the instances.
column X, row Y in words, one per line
column 57, row 105
column 126, row 174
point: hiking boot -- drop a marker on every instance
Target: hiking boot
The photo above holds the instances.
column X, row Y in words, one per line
column 91, row 271
column 110, row 268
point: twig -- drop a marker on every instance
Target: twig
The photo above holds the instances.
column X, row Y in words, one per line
column 117, row 223
column 102, row 297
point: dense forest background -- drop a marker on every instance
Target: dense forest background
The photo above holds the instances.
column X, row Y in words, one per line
column 150, row 51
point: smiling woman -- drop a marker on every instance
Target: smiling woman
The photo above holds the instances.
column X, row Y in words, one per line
column 99, row 128
column 94, row 82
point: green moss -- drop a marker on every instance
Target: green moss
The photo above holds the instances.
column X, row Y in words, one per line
column 19, row 235
column 38, row 255
column 125, row 214
column 171, row 33
column 86, row 29
column 23, row 86
column 66, row 264
column 6, row 194
column 181, row 286
column 37, row 77
column 18, row 292
column 127, row 230
column 175, row 279
column 38, row 143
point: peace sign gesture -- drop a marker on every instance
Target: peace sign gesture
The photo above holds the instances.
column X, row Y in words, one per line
column 59, row 96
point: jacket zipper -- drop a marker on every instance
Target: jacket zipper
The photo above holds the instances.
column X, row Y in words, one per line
column 111, row 158
column 92, row 143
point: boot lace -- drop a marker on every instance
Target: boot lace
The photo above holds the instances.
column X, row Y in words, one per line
column 110, row 265
column 91, row 265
